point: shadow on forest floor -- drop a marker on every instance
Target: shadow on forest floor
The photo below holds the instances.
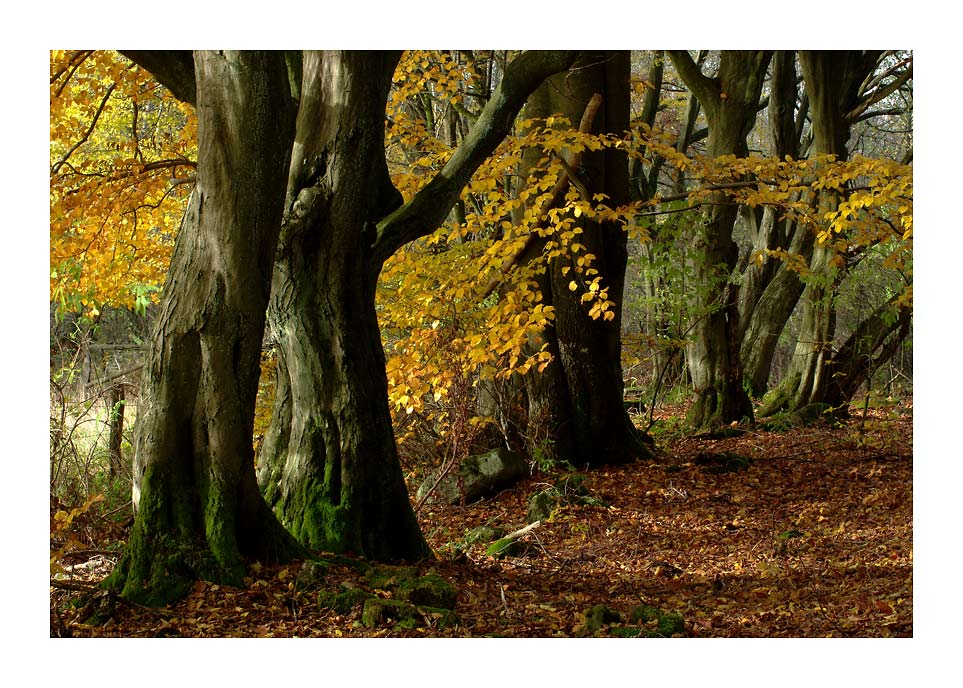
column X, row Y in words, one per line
column 814, row 539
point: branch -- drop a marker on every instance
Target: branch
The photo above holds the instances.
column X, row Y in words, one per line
column 173, row 69
column 428, row 209
column 706, row 90
column 56, row 168
column 878, row 94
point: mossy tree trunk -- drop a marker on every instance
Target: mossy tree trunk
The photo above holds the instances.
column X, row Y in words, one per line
column 578, row 398
column 833, row 80
column 199, row 511
column 730, row 100
column 329, row 465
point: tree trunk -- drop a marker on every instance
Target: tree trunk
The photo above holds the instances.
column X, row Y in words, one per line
column 730, row 101
column 198, row 507
column 579, row 396
column 116, row 423
column 833, row 79
column 330, row 466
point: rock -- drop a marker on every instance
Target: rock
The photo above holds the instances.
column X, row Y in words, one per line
column 595, row 618
column 476, row 477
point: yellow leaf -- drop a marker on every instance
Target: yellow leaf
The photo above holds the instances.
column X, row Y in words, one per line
column 572, row 286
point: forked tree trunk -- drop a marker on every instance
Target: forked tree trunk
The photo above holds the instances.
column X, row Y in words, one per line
column 833, row 79
column 199, row 511
column 578, row 398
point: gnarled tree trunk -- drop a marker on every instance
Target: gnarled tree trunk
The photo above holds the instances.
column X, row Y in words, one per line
column 730, row 101
column 199, row 510
column 329, row 465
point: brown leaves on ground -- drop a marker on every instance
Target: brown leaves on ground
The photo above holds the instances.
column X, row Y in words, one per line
column 813, row 539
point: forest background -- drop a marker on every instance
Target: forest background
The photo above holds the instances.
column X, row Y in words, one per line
column 935, row 329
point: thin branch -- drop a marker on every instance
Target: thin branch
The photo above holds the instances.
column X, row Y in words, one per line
column 90, row 130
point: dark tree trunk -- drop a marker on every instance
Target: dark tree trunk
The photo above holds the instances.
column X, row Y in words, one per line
column 578, row 398
column 730, row 101
column 199, row 511
column 116, row 423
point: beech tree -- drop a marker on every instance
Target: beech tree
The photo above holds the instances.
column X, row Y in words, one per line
column 730, row 100
column 199, row 508
column 578, row 397
column 840, row 90
column 337, row 484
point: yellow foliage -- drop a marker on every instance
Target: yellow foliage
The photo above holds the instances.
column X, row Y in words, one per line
column 116, row 195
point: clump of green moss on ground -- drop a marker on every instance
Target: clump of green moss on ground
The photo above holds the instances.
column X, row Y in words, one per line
column 397, row 595
column 645, row 621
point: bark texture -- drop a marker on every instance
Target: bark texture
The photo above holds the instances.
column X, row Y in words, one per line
column 199, row 511
column 578, row 398
column 730, row 100
column 329, row 464
column 833, row 80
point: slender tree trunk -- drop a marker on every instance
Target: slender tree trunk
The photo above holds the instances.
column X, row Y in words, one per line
column 198, row 507
column 833, row 79
column 116, row 422
column 730, row 101
column 579, row 396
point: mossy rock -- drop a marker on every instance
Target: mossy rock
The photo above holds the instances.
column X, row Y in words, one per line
column 430, row 590
column 343, row 602
column 541, row 505
column 625, row 631
column 389, row 577
column 483, row 534
column 595, row 618
column 506, row 547
column 312, row 574
column 658, row 624
column 378, row 612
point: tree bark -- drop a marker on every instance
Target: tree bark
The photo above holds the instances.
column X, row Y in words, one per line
column 730, row 101
column 771, row 291
column 329, row 465
column 578, row 398
column 833, row 80
column 199, row 511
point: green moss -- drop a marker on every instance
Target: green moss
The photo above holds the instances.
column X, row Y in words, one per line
column 430, row 590
column 378, row 611
column 505, row 547
column 343, row 602
column 390, row 577
column 625, row 631
column 666, row 624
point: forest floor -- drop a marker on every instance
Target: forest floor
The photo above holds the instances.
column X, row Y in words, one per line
column 813, row 539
